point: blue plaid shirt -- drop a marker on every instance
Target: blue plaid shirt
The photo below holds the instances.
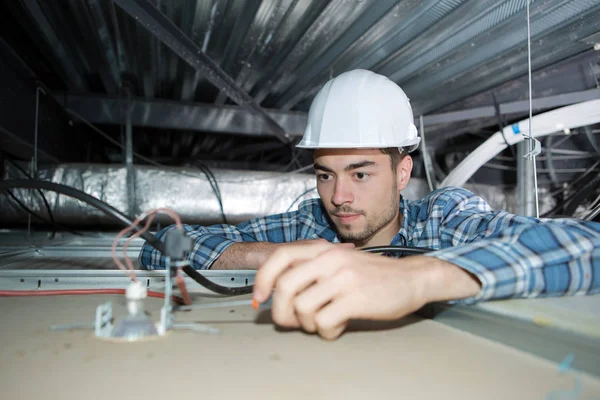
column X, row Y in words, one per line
column 513, row 256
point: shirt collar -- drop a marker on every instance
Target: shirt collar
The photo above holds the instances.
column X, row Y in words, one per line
column 401, row 238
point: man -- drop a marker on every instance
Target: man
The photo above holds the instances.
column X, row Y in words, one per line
column 361, row 127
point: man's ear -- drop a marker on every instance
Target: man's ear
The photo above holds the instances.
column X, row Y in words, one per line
column 403, row 171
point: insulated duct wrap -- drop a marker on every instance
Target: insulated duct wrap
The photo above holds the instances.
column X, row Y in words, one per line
column 245, row 194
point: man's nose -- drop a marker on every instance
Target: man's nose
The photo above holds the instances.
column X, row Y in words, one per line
column 341, row 194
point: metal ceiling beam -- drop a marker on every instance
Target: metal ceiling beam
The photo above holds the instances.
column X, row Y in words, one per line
column 540, row 103
column 467, row 71
column 177, row 115
column 18, row 147
column 169, row 34
column 70, row 73
column 110, row 55
column 232, row 119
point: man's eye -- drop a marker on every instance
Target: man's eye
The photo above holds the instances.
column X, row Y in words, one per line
column 361, row 176
column 323, row 177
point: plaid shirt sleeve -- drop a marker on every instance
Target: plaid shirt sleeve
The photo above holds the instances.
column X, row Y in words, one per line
column 211, row 241
column 515, row 256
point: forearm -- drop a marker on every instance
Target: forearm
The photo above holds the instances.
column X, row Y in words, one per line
column 529, row 261
column 244, row 255
column 444, row 281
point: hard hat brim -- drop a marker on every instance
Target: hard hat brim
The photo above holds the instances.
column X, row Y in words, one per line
column 410, row 145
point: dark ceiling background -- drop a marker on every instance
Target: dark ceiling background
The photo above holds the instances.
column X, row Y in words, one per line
column 259, row 63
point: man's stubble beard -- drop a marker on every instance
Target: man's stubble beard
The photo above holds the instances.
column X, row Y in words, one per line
column 373, row 226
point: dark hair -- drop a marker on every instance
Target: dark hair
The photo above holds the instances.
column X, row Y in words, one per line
column 396, row 155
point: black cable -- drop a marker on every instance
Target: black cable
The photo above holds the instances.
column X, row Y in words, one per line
column 225, row 290
column 30, row 211
column 569, row 205
column 214, row 186
column 576, row 181
column 234, row 291
column 25, row 208
column 397, row 249
column 583, row 193
column 46, row 204
column 82, row 196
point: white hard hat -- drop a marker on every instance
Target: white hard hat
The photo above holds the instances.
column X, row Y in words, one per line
column 360, row 109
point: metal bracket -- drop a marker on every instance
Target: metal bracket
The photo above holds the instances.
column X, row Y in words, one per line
column 103, row 323
column 537, row 148
column 104, row 328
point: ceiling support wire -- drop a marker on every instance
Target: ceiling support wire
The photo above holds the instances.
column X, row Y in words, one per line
column 34, row 160
column 534, row 144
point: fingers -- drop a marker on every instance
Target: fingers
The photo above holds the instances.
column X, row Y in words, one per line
column 290, row 284
column 309, row 281
column 332, row 319
column 328, row 287
column 281, row 260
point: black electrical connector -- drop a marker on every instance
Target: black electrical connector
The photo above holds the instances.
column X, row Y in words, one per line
column 177, row 244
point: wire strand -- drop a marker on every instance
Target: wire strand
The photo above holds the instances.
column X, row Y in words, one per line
column 151, row 214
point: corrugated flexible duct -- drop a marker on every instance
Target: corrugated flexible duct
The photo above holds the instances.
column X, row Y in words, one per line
column 245, row 194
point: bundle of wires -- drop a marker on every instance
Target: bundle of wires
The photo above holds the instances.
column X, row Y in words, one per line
column 214, row 186
column 151, row 214
column 583, row 189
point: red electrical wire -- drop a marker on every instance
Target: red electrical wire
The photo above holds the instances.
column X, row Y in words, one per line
column 24, row 293
column 182, row 288
column 152, row 214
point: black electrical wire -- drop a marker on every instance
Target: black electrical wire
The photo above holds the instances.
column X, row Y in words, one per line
column 214, row 186
column 38, row 216
column 234, row 291
column 576, row 181
column 397, row 249
column 46, row 204
column 25, row 208
column 210, row 285
column 82, row 196
column 568, row 206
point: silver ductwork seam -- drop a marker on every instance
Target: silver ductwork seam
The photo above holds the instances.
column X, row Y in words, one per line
column 245, row 194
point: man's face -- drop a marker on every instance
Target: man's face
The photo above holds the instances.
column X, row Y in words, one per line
column 361, row 192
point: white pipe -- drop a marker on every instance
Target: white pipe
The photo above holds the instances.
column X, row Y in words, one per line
column 562, row 119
